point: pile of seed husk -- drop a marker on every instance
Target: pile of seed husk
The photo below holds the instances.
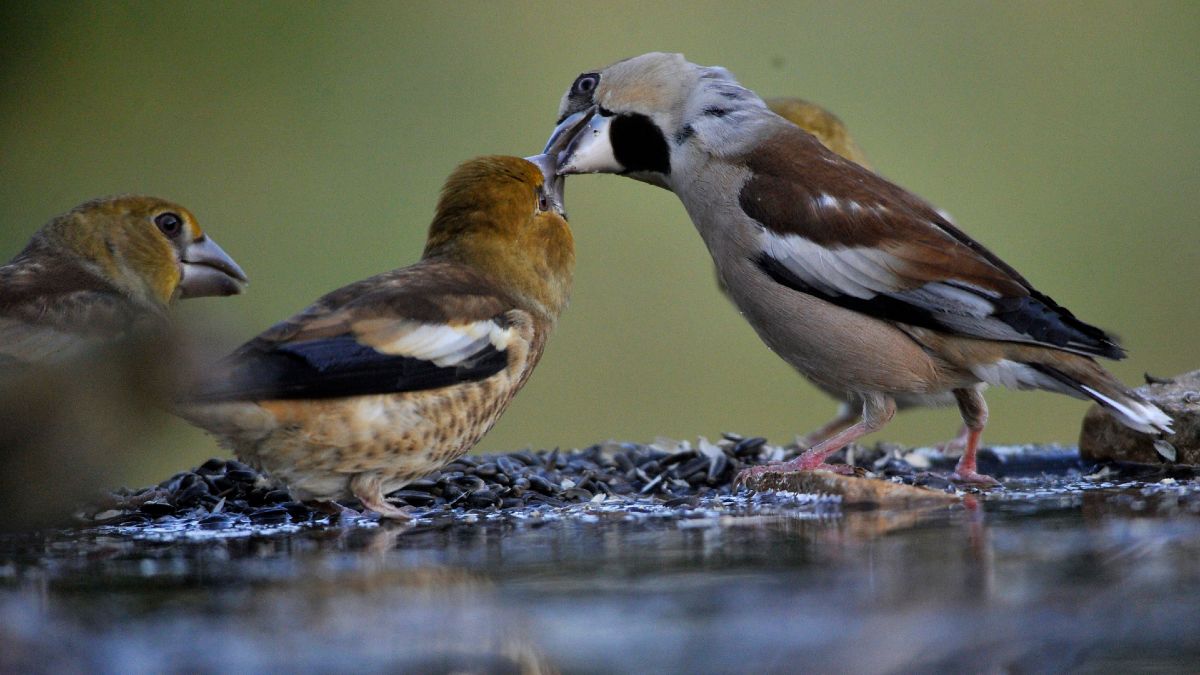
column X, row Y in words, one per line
column 224, row 493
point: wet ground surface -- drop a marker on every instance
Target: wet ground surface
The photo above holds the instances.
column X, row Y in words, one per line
column 1069, row 567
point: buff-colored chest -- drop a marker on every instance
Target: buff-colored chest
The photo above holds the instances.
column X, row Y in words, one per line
column 316, row 448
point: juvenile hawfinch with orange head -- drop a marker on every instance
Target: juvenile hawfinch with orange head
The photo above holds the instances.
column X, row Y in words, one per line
column 86, row 350
column 105, row 271
column 388, row 379
column 860, row 285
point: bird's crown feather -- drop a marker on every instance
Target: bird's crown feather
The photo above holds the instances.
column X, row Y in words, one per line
column 489, row 218
column 705, row 104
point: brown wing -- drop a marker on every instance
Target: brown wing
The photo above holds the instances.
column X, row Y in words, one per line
column 431, row 325
column 834, row 229
column 51, row 309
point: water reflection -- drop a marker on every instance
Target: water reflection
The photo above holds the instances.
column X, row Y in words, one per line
column 1094, row 580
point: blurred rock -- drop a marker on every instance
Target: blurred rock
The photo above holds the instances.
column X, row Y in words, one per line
column 1103, row 438
column 852, row 489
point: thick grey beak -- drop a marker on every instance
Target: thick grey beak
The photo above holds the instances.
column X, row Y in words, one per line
column 209, row 271
column 566, row 131
column 554, row 183
column 581, row 144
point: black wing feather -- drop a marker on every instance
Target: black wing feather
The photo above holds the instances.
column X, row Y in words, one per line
column 337, row 367
column 1034, row 315
column 881, row 306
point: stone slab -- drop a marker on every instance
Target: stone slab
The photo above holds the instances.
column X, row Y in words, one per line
column 852, row 489
column 1104, row 438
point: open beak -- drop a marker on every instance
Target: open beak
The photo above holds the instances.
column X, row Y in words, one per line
column 581, row 144
column 209, row 271
column 553, row 182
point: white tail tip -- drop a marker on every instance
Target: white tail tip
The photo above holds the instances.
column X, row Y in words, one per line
column 1144, row 417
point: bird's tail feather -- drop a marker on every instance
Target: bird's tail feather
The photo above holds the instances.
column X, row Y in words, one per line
column 1084, row 376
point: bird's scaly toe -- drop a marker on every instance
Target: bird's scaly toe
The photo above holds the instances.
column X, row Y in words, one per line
column 973, row 478
column 383, row 507
column 801, row 463
column 753, row 472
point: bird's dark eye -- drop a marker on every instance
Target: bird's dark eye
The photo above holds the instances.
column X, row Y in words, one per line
column 585, row 84
column 543, row 202
column 169, row 223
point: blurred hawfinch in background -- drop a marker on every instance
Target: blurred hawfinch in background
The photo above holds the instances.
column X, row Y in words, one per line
column 861, row 286
column 822, row 124
column 387, row 379
column 105, row 271
column 86, row 354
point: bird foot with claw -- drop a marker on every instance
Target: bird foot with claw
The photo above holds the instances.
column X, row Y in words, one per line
column 973, row 478
column 789, row 467
column 338, row 512
column 387, row 510
column 739, row 481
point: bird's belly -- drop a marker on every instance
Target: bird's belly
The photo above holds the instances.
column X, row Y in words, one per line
column 939, row 399
column 840, row 350
column 316, row 447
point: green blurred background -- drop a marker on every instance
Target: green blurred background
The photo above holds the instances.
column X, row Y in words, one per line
column 311, row 140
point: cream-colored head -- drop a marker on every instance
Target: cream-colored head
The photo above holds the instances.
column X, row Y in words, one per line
column 656, row 83
column 638, row 117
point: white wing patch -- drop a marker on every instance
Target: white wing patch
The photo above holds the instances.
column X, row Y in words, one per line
column 864, row 272
column 820, row 267
column 857, row 272
column 442, row 344
column 948, row 298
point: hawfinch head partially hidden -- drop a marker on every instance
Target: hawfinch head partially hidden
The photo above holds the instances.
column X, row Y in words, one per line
column 860, row 285
column 101, row 271
column 385, row 380
column 86, row 354
column 822, row 124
